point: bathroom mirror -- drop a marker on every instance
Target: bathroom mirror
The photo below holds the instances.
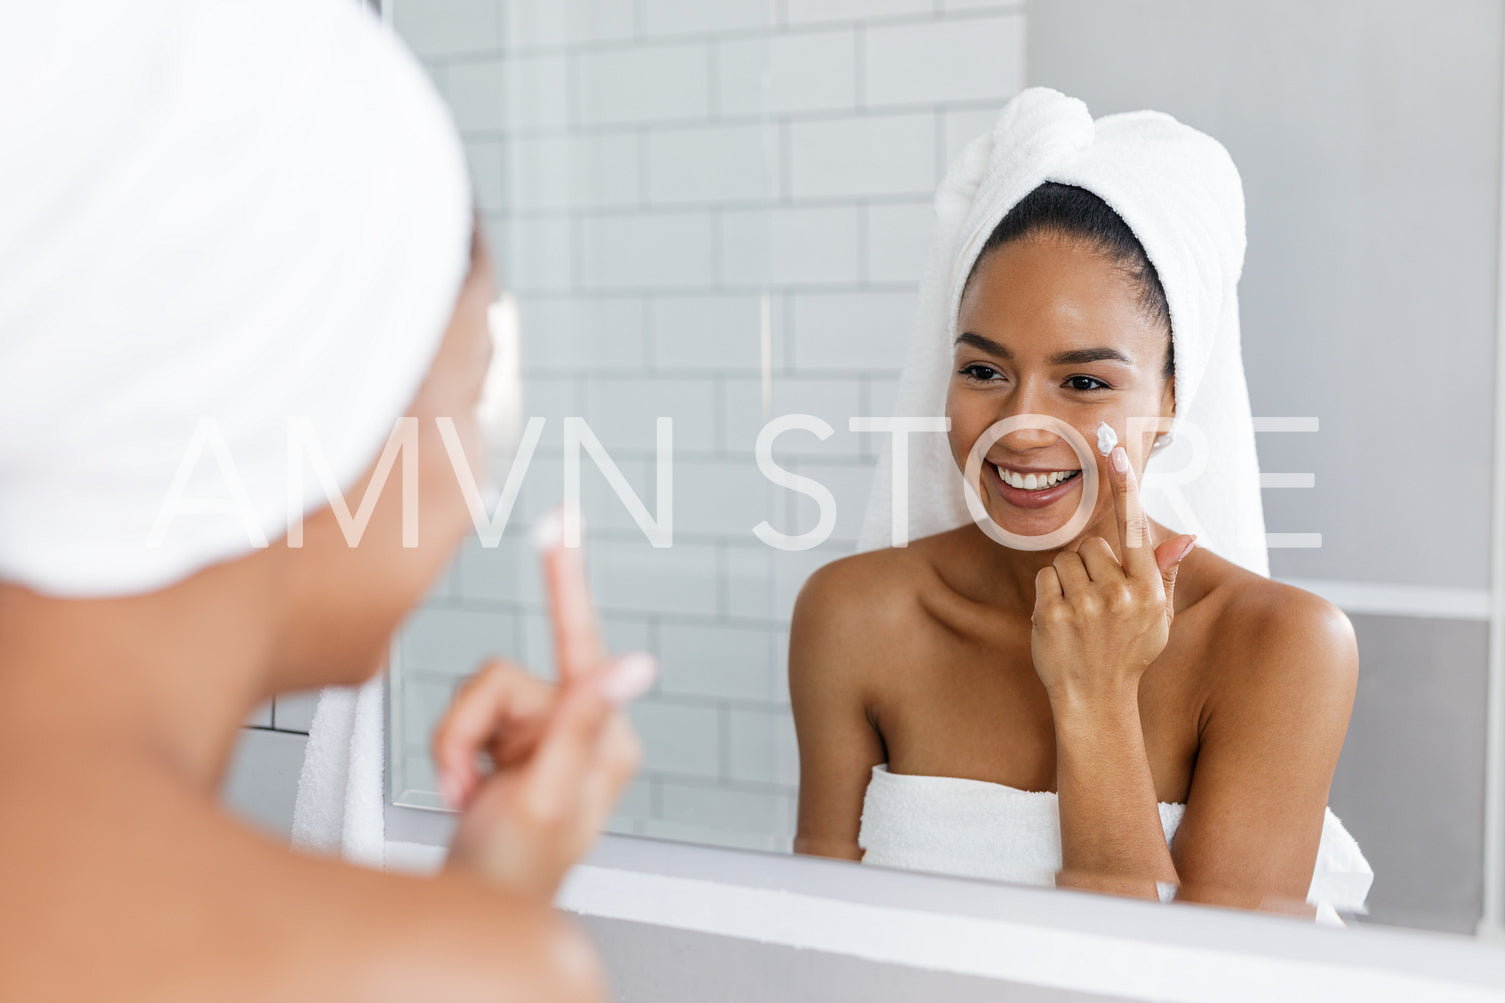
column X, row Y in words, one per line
column 719, row 214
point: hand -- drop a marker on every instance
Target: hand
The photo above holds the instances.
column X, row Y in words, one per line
column 1099, row 623
column 560, row 754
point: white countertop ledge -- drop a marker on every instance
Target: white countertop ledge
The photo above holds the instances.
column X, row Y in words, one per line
column 1043, row 936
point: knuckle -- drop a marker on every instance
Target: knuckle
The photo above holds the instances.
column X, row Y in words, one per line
column 531, row 686
column 1054, row 614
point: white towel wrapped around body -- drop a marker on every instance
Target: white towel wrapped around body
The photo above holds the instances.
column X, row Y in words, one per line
column 976, row 829
column 341, row 802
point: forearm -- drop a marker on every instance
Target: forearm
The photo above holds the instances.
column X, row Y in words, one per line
column 1111, row 835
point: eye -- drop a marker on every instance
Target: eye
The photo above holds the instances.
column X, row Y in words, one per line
column 980, row 372
column 1086, row 383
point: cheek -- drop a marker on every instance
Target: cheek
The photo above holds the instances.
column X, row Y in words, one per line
column 444, row 514
column 969, row 418
column 477, row 449
column 1136, row 425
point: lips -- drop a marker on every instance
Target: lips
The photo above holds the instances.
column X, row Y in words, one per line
column 1033, row 489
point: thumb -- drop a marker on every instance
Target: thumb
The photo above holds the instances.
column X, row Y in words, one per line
column 1168, row 557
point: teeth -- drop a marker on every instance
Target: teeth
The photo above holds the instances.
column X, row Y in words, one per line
column 1033, row 482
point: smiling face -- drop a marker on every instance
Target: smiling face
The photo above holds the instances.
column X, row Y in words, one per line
column 1049, row 325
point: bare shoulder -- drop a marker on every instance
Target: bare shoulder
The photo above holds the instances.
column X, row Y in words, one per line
column 872, row 582
column 1276, row 641
column 476, row 944
column 389, row 936
column 860, row 611
column 238, row 914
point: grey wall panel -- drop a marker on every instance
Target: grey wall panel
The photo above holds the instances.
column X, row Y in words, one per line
column 1368, row 136
column 261, row 785
column 655, row 964
column 1410, row 782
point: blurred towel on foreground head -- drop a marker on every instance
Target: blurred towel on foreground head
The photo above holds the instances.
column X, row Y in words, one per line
column 241, row 210
column 1180, row 193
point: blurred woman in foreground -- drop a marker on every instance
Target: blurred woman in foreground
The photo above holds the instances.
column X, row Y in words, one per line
column 222, row 224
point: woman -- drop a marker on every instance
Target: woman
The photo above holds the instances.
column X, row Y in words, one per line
column 1121, row 668
column 195, row 243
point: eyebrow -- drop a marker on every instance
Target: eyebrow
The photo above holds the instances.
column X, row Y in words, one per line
column 1072, row 357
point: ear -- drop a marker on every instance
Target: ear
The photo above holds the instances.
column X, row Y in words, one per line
column 1167, row 411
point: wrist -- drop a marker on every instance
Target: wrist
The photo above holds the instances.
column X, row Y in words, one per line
column 492, row 858
column 1093, row 705
column 509, row 881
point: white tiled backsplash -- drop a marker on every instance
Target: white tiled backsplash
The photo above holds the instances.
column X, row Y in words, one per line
column 656, row 176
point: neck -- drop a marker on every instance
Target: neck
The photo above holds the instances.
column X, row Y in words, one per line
column 168, row 677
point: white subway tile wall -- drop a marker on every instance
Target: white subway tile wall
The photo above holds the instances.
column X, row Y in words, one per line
column 717, row 212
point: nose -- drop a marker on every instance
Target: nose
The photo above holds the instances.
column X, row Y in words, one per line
column 1024, row 439
column 1031, row 434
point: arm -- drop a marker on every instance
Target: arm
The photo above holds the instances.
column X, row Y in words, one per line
column 1098, row 622
column 1112, row 839
column 1270, row 739
column 838, row 743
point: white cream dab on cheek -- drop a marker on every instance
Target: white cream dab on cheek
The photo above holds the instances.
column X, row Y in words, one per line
column 1106, row 438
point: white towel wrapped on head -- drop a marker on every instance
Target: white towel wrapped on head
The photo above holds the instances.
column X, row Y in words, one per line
column 245, row 211
column 1179, row 191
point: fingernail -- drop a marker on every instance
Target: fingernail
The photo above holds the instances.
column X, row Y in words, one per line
column 1191, row 544
column 1120, row 458
column 629, row 678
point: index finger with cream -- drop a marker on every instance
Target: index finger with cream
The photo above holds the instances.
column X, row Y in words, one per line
column 577, row 635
